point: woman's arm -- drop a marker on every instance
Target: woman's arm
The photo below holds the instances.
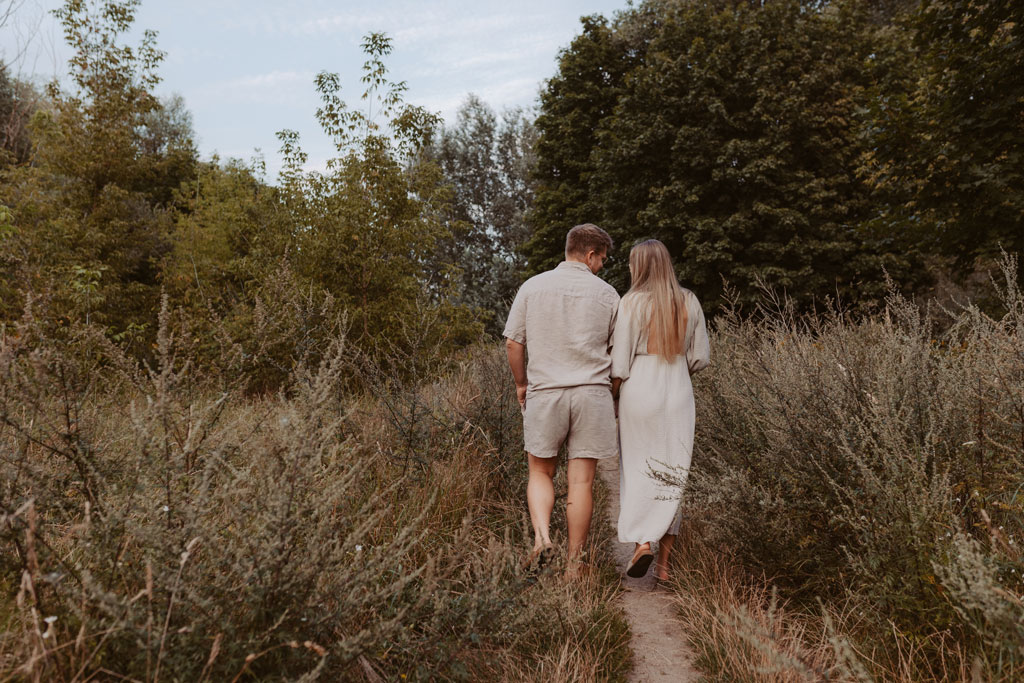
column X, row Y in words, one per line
column 624, row 343
column 698, row 353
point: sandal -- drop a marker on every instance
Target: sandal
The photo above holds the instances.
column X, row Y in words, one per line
column 641, row 562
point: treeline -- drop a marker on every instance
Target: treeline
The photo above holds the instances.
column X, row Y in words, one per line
column 816, row 147
column 106, row 208
column 813, row 144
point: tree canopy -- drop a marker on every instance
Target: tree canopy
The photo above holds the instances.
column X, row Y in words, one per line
column 779, row 142
column 112, row 210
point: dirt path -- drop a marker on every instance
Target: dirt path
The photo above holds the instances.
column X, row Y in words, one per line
column 659, row 645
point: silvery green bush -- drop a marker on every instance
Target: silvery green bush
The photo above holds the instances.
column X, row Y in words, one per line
column 161, row 522
column 877, row 462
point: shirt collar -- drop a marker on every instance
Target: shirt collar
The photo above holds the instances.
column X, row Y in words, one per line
column 573, row 265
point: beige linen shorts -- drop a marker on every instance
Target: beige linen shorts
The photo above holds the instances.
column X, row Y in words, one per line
column 583, row 417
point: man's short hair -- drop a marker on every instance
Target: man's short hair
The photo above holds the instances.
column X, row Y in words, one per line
column 585, row 238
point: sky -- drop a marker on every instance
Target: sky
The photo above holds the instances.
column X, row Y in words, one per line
column 246, row 68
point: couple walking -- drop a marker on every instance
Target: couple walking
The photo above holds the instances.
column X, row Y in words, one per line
column 592, row 357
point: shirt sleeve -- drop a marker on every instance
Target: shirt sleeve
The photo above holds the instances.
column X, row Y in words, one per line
column 624, row 340
column 515, row 325
column 698, row 353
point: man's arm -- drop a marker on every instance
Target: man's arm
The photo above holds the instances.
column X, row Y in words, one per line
column 517, row 361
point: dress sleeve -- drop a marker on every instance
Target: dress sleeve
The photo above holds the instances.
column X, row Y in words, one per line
column 515, row 326
column 698, row 353
column 624, row 340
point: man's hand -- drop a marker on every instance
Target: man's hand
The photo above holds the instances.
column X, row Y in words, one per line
column 616, row 385
column 521, row 395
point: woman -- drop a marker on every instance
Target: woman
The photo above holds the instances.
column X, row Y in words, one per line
column 660, row 339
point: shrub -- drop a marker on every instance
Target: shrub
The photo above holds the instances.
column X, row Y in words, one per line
column 874, row 463
column 162, row 522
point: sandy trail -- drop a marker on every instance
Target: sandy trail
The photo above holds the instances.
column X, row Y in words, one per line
column 660, row 650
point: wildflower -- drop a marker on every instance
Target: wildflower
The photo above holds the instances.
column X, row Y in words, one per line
column 50, row 620
column 166, row 508
column 359, row 548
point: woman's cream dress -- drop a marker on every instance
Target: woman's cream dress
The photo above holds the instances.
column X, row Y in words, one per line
column 656, row 417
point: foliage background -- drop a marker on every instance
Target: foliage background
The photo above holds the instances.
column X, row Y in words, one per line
column 189, row 334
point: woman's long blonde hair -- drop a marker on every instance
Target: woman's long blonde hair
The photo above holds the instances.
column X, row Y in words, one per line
column 650, row 268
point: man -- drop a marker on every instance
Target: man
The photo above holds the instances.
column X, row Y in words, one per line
column 566, row 317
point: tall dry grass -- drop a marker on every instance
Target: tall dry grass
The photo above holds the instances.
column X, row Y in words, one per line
column 365, row 522
column 867, row 474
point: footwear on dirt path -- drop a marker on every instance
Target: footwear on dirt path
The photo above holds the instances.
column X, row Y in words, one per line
column 660, row 650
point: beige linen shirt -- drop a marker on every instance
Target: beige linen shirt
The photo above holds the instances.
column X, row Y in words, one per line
column 565, row 317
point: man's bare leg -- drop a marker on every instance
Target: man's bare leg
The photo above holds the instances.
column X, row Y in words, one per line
column 540, row 498
column 664, row 548
column 579, row 506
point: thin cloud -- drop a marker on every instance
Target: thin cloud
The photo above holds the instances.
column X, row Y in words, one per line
column 439, row 28
column 273, row 87
column 343, row 23
column 499, row 95
column 274, row 79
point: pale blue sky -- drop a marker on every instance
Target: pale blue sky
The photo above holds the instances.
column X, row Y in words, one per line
column 246, row 69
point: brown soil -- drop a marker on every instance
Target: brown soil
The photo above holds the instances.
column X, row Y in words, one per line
column 660, row 648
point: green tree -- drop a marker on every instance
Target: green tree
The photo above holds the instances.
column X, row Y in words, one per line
column 578, row 99
column 488, row 164
column 365, row 229
column 96, row 197
column 231, row 230
column 946, row 157
column 18, row 102
column 726, row 130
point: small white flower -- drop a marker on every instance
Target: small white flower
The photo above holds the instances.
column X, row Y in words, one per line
column 166, row 508
column 50, row 620
column 359, row 548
